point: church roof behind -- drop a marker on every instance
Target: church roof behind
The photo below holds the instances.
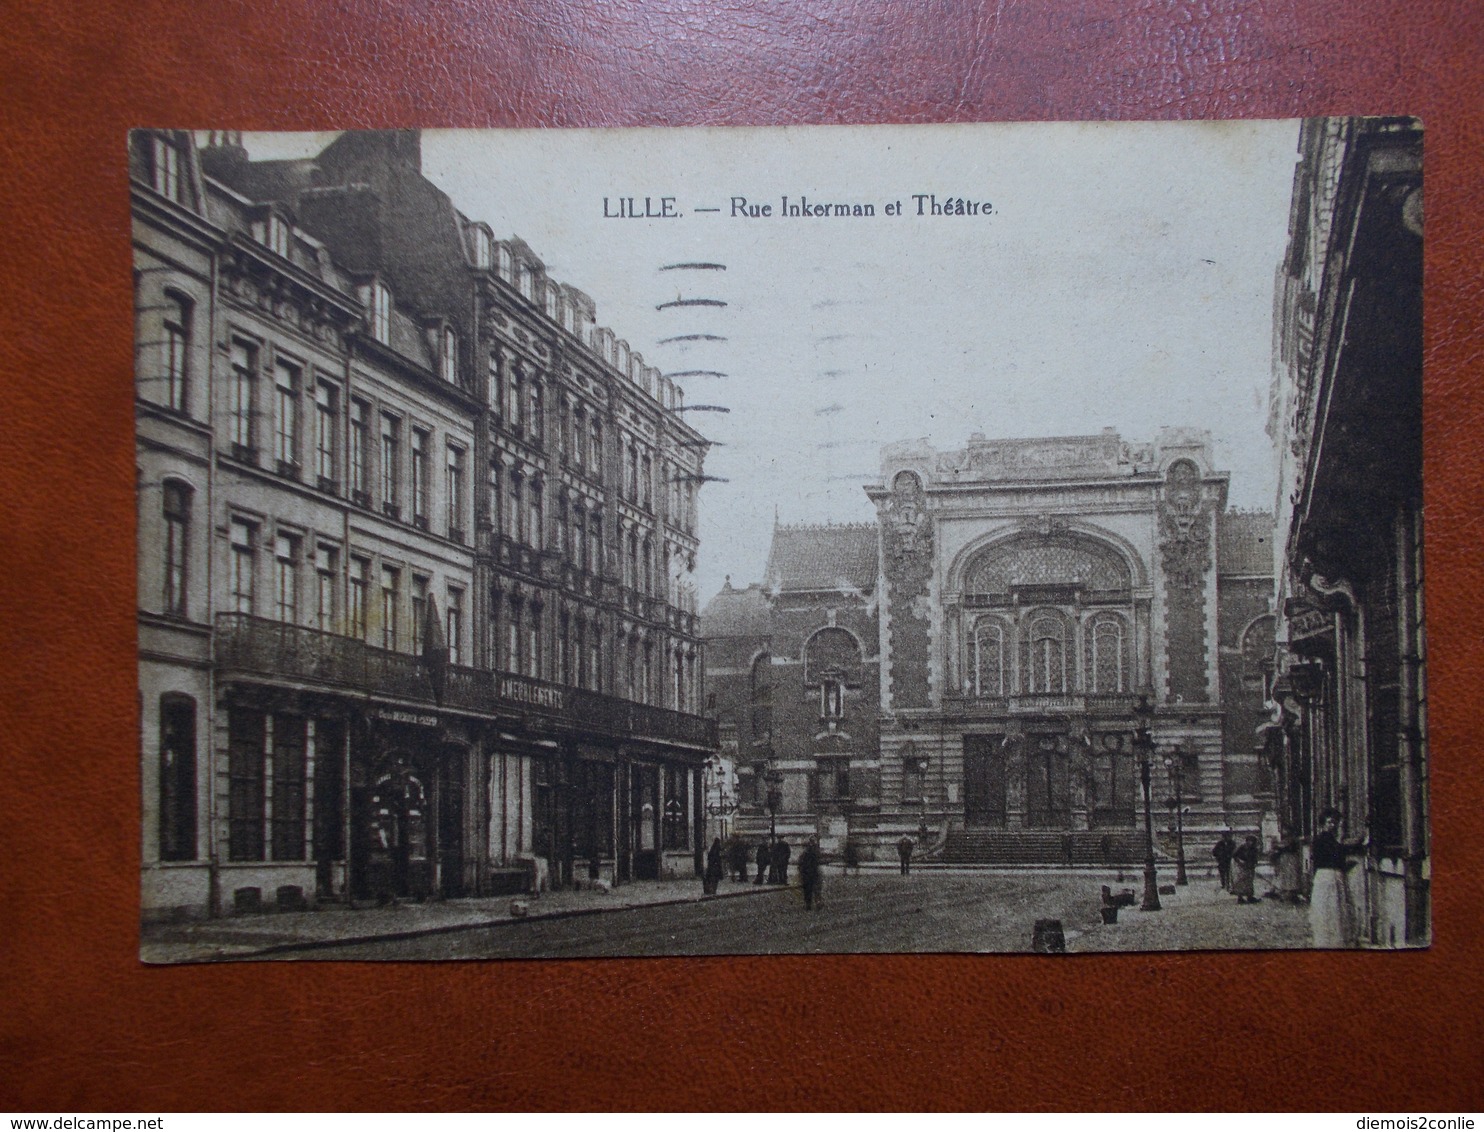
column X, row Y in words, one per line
column 737, row 613
column 823, row 557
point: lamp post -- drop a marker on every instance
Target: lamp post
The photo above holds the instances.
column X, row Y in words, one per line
column 922, row 769
column 774, row 780
column 1144, row 746
column 1175, row 767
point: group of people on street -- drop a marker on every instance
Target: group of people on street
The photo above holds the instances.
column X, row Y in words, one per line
column 1332, row 916
column 1237, row 866
column 772, row 865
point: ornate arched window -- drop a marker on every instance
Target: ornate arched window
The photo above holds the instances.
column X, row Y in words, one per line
column 990, row 660
column 1044, row 653
column 1106, row 648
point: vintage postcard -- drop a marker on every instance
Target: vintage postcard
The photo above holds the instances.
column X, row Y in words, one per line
column 976, row 538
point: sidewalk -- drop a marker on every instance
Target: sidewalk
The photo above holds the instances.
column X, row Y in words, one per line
column 285, row 933
column 1200, row 917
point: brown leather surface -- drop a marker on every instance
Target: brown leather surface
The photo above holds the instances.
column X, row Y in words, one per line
column 84, row 1026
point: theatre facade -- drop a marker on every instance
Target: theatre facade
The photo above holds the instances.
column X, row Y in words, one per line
column 416, row 536
column 1033, row 593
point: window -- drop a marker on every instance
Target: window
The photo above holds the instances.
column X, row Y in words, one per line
column 286, row 569
column 289, row 765
column 647, row 692
column 391, row 582
column 177, row 777
column 534, row 529
column 832, row 698
column 455, row 493
column 679, row 675
column 595, row 655
column 245, row 740
column 516, row 510
column 286, row 416
column 595, row 542
column 646, row 484
column 326, row 568
column 165, row 167
column 513, row 400
column 177, row 350
column 277, row 234
column 632, row 485
column 579, row 537
column 912, row 779
column 762, row 697
column 177, row 528
column 646, row 583
column 513, row 635
column 420, row 477
column 578, row 447
column 494, row 487
column 534, row 420
column 493, row 373
column 419, row 611
column 381, row 313
column 326, row 414
column 990, row 670
column 482, row 247
column 631, row 564
column 360, row 568
column 677, row 808
column 454, row 618
column 563, row 544
column 1045, row 656
column 579, row 652
column 563, row 666
column 1107, row 667
column 244, row 378
column 244, row 554
column 449, row 358
column 832, row 780
column 596, row 460
column 533, row 642
column 391, row 435
column 360, row 443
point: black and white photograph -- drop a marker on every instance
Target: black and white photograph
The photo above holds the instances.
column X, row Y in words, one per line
column 793, row 540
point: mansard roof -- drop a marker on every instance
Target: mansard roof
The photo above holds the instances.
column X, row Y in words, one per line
column 823, row 557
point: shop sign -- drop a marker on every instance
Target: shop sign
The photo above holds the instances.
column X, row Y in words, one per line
column 417, row 719
column 531, row 693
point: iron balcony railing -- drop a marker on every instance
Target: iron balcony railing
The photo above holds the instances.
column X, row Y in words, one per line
column 1049, row 703
column 249, row 644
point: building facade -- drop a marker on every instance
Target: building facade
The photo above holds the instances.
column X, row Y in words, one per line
column 1026, row 593
column 1349, row 731
column 416, row 541
column 792, row 677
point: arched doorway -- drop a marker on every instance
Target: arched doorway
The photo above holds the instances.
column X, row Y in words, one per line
column 395, row 832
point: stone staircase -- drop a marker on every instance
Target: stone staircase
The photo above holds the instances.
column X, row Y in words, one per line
column 1031, row 847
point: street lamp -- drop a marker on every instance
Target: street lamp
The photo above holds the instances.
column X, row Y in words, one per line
column 774, row 780
column 1144, row 746
column 1175, row 767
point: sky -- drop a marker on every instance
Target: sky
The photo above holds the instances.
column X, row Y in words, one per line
column 1112, row 274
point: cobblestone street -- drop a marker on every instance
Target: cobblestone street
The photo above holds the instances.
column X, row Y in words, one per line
column 938, row 910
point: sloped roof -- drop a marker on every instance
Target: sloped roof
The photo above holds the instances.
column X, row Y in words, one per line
column 823, row 557
column 1245, row 543
column 737, row 613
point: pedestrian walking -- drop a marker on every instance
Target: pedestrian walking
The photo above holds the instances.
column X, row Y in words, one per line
column 1244, row 871
column 711, row 881
column 779, row 872
column 764, row 860
column 1332, row 920
column 904, row 853
column 809, row 873
column 1223, row 851
column 852, row 855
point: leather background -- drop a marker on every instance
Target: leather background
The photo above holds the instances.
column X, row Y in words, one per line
column 84, row 1026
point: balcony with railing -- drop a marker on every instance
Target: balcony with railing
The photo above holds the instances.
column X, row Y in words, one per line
column 272, row 650
column 1105, row 704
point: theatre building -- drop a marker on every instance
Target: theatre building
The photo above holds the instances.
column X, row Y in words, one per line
column 416, row 540
column 1031, row 591
column 1351, row 734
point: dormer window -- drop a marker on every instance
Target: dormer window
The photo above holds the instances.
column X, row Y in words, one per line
column 507, row 264
column 483, row 247
column 528, row 281
column 552, row 305
column 277, row 237
column 449, row 357
column 165, row 169
column 381, row 313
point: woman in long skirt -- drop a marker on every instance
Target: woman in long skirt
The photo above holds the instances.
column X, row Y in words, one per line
column 1332, row 921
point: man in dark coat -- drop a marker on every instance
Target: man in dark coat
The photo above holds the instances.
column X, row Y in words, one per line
column 904, row 852
column 738, row 858
column 781, row 853
column 809, row 872
column 1223, row 851
column 764, row 860
column 711, row 880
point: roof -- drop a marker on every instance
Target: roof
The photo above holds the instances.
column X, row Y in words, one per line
column 737, row 613
column 823, row 557
column 1244, row 543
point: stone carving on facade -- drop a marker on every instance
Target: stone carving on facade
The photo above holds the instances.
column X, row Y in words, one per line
column 1185, row 529
column 907, row 537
